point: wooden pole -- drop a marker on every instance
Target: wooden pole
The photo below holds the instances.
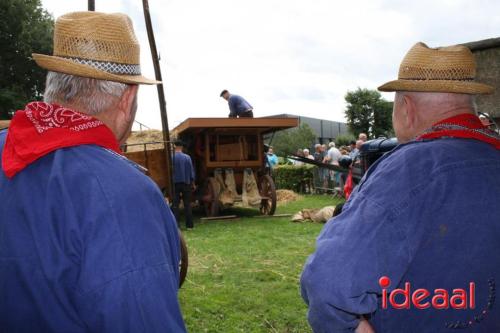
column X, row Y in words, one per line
column 161, row 97
column 91, row 5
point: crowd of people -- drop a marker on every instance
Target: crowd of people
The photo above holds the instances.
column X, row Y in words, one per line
column 329, row 154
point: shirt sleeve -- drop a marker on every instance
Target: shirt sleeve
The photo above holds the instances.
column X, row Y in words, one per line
column 340, row 280
column 232, row 107
column 129, row 268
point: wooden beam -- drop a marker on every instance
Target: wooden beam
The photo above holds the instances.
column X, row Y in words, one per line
column 224, row 217
column 161, row 99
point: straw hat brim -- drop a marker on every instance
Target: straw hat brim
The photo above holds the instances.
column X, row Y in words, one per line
column 66, row 66
column 449, row 86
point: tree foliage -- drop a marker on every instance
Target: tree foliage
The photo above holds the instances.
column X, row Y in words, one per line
column 25, row 28
column 367, row 112
column 288, row 141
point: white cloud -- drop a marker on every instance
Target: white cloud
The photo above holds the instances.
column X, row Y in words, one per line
column 294, row 56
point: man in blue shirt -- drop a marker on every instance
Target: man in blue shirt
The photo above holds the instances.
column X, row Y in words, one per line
column 87, row 242
column 184, row 183
column 238, row 106
column 417, row 245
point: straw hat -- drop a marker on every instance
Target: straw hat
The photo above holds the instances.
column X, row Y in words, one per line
column 95, row 45
column 444, row 69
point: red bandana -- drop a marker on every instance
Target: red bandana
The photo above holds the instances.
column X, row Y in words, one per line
column 467, row 126
column 43, row 128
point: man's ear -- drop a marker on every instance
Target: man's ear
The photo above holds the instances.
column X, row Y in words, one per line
column 410, row 111
column 127, row 101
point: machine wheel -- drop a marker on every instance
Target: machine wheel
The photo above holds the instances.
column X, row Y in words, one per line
column 183, row 265
column 211, row 198
column 268, row 194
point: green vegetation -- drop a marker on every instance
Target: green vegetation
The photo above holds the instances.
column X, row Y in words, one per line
column 367, row 112
column 244, row 274
column 288, row 141
column 292, row 177
column 25, row 28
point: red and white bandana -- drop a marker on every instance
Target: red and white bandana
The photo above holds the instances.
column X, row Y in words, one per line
column 466, row 126
column 42, row 128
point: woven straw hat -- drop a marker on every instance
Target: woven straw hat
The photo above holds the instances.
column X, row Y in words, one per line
column 95, row 45
column 445, row 69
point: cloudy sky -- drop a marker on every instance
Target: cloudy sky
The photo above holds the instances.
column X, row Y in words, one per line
column 285, row 56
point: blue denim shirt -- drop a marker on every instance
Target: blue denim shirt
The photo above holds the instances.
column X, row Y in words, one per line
column 183, row 168
column 87, row 244
column 427, row 213
column 238, row 105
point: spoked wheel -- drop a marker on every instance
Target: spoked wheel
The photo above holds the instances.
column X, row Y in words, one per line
column 211, row 198
column 183, row 265
column 267, row 191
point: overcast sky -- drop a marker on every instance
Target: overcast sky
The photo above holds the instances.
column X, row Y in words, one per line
column 285, row 56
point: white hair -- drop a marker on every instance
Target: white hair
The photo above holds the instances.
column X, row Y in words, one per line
column 94, row 95
column 306, row 151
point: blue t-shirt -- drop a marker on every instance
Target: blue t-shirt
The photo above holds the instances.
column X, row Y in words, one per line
column 427, row 213
column 87, row 244
column 238, row 105
column 183, row 168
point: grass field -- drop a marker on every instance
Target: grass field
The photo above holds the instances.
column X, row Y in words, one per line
column 244, row 274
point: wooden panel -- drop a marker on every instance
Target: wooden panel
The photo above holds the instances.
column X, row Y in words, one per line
column 265, row 124
column 154, row 161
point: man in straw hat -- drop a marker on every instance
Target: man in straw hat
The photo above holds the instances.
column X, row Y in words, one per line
column 87, row 243
column 416, row 248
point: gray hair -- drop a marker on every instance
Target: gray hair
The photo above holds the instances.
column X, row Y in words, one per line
column 94, row 95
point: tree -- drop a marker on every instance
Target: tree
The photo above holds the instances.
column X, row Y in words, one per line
column 25, row 28
column 288, row 141
column 367, row 112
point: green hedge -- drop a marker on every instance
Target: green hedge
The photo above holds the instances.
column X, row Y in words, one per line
column 292, row 177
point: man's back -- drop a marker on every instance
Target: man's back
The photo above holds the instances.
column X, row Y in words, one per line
column 86, row 244
column 426, row 214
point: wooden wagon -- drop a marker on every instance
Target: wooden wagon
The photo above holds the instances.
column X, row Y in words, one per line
column 235, row 145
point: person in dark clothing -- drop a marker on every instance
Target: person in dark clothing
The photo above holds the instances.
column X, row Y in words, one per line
column 238, row 106
column 184, row 183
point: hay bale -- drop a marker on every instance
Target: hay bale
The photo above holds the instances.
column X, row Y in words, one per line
column 285, row 196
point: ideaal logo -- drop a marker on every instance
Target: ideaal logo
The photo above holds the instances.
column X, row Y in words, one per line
column 440, row 299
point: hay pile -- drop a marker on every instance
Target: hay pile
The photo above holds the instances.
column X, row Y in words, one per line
column 286, row 196
column 145, row 136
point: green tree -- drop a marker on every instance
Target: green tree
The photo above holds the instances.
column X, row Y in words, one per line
column 288, row 141
column 367, row 112
column 25, row 28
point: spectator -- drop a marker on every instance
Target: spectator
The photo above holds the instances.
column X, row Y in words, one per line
column 183, row 183
column 333, row 154
column 308, row 155
column 355, row 152
column 363, row 137
column 425, row 216
column 87, row 242
column 299, row 153
column 238, row 106
column 272, row 158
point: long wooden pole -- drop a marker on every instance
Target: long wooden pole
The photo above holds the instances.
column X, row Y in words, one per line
column 161, row 98
column 91, row 5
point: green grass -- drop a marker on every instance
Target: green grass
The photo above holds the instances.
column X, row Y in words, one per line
column 244, row 274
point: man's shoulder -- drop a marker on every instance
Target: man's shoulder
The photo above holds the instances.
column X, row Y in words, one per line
column 416, row 162
column 112, row 171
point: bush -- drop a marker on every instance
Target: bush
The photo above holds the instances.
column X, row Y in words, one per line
column 293, row 177
column 344, row 140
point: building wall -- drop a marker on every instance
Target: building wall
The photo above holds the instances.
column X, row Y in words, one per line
column 325, row 130
column 488, row 71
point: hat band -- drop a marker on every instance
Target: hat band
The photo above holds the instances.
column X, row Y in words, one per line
column 438, row 79
column 110, row 67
